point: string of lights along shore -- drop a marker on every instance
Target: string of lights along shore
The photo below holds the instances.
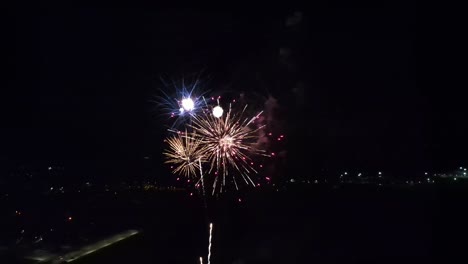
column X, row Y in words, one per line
column 218, row 136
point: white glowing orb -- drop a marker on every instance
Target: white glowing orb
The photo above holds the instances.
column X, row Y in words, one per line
column 188, row 104
column 218, row 111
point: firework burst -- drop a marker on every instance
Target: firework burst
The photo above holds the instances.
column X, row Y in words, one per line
column 184, row 154
column 183, row 103
column 227, row 142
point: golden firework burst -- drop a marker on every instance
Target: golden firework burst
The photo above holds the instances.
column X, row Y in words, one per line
column 184, row 154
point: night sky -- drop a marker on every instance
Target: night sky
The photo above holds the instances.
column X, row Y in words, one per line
column 80, row 84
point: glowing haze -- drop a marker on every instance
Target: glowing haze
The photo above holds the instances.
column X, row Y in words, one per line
column 188, row 104
column 218, row 111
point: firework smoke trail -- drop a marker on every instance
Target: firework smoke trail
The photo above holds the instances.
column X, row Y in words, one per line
column 201, row 176
column 209, row 243
column 183, row 154
column 227, row 142
column 202, row 183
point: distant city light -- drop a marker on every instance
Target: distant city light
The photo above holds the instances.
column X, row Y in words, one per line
column 455, row 179
column 461, row 168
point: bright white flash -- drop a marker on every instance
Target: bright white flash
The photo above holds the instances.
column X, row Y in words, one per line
column 188, row 104
column 218, row 111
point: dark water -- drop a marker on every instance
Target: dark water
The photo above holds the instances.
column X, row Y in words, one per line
column 353, row 224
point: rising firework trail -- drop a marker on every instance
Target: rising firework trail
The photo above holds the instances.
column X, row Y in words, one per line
column 209, row 243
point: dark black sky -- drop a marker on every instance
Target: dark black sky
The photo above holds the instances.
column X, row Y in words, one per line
column 80, row 81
